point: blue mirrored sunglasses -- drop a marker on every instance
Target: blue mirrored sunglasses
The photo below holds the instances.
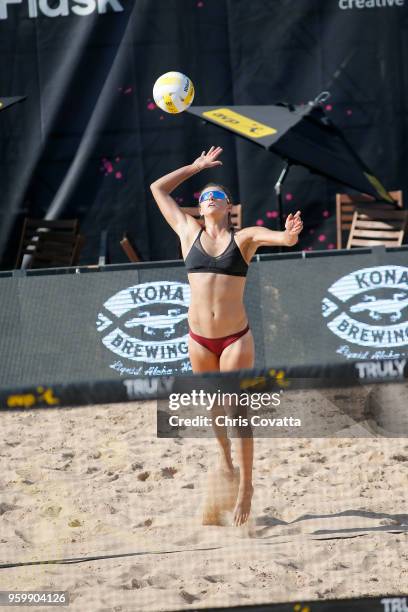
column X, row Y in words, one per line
column 217, row 195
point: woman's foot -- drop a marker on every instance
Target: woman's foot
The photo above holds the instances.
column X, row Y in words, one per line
column 243, row 505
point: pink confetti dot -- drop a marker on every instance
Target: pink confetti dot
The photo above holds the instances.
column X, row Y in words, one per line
column 118, row 175
column 260, row 222
column 200, row 4
column 331, row 246
column 329, row 107
column 271, row 214
column 161, row 117
column 196, row 194
column 311, row 231
column 128, row 90
column 117, row 159
column 349, row 112
column 325, row 213
column 288, row 197
column 322, row 238
column 151, row 106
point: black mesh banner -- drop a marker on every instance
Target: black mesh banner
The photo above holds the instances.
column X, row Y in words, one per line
column 334, row 308
column 132, row 322
column 89, row 140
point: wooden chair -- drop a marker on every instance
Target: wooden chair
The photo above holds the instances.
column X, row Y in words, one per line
column 380, row 226
column 346, row 205
column 50, row 244
column 236, row 218
column 130, row 250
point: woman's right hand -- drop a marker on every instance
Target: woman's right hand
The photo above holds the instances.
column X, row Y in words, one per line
column 208, row 160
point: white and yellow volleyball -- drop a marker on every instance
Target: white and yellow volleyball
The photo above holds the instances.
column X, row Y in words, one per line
column 173, row 92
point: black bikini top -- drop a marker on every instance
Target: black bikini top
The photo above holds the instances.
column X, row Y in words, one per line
column 230, row 262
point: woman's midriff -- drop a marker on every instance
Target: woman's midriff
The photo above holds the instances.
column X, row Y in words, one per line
column 216, row 307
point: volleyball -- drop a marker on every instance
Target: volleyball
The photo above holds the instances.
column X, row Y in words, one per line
column 173, row 92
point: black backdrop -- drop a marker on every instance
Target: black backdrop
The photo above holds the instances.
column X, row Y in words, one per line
column 89, row 140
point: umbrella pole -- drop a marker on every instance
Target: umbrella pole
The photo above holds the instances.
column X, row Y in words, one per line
column 278, row 191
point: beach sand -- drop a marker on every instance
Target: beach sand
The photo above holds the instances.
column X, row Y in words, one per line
column 329, row 516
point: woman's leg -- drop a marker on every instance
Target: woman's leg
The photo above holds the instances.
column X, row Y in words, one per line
column 203, row 360
column 241, row 355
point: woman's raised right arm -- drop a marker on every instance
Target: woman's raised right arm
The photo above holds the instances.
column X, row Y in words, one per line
column 162, row 188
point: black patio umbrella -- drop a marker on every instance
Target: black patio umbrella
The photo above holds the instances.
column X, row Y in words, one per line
column 7, row 102
column 300, row 135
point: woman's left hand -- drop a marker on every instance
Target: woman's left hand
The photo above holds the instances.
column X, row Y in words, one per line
column 209, row 159
column 294, row 224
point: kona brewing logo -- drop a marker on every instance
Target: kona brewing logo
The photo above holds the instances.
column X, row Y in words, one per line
column 369, row 307
column 62, row 8
column 147, row 324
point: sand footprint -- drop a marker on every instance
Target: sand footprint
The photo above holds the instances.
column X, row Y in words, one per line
column 188, row 597
column 168, row 472
column 214, row 578
column 162, row 580
column 4, row 507
column 134, row 577
column 29, row 476
column 143, row 476
column 115, row 455
column 92, row 470
column 52, row 510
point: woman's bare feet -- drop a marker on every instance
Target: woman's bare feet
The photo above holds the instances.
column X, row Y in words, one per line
column 243, row 505
column 226, row 492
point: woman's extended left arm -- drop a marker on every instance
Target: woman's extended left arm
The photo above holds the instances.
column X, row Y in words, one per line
column 261, row 236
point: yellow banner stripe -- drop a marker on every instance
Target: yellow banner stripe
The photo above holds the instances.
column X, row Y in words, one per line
column 240, row 123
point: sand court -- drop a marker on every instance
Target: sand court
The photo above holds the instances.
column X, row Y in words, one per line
column 329, row 516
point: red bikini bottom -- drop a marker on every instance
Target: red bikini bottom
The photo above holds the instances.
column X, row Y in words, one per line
column 217, row 345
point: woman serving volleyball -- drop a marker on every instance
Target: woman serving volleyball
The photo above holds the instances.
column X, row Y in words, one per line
column 217, row 260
